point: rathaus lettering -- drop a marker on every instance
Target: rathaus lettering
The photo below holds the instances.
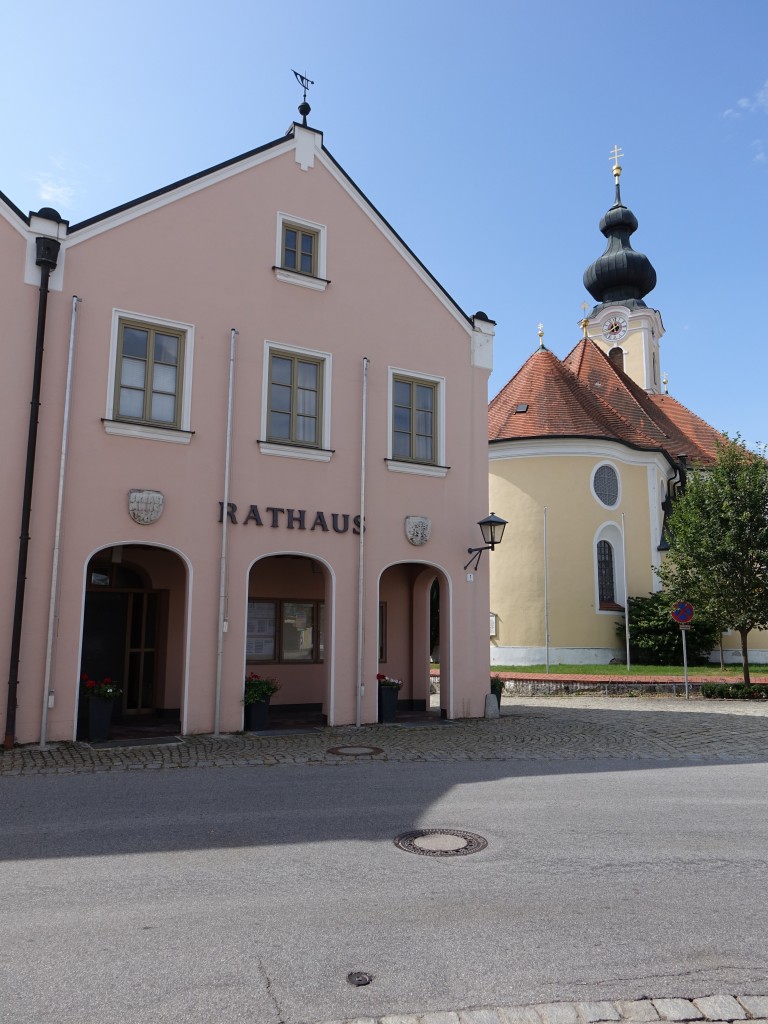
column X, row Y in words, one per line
column 290, row 518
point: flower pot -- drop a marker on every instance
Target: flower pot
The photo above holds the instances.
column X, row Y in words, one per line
column 256, row 716
column 99, row 718
column 387, row 703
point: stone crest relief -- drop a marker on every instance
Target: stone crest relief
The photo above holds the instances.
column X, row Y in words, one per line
column 145, row 507
column 418, row 529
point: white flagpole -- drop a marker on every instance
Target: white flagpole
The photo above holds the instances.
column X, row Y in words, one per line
column 546, row 591
column 626, row 590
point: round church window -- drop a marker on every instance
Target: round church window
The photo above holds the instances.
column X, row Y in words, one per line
column 606, row 485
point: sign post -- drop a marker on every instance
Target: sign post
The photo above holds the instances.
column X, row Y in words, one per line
column 682, row 613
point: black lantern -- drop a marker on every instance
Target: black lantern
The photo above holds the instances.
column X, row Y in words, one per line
column 492, row 529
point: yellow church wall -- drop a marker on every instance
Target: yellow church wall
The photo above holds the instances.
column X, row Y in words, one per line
column 520, row 489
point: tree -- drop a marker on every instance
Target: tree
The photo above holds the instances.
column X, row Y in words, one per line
column 718, row 530
column 655, row 636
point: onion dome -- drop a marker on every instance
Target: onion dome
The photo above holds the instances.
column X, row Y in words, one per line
column 620, row 274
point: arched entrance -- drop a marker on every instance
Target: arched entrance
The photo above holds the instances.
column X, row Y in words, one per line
column 133, row 633
column 288, row 636
column 414, row 627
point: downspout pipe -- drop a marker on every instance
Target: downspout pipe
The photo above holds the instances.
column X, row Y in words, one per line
column 223, row 567
column 360, row 688
column 46, row 257
column 53, row 611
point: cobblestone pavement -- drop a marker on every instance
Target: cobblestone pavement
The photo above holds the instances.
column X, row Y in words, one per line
column 720, row 1008
column 578, row 727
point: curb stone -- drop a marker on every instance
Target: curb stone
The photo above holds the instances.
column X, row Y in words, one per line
column 718, row 1008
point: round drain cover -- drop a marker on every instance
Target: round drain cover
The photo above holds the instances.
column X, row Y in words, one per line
column 359, row 978
column 355, row 751
column 440, row 842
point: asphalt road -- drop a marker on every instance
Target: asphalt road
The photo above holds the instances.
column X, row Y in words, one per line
column 249, row 893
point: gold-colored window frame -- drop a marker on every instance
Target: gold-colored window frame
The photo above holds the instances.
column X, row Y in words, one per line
column 296, row 359
column 413, row 383
column 152, row 330
column 298, row 250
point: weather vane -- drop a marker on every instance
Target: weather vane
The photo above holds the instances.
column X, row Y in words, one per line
column 304, row 107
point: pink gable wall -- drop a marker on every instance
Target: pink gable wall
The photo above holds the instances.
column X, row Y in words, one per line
column 206, row 260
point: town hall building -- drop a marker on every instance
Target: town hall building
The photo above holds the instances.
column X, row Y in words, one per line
column 257, row 445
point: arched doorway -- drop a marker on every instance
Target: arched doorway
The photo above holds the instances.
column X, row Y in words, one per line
column 414, row 628
column 288, row 631
column 133, row 633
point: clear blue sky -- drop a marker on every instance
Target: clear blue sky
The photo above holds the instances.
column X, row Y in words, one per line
column 481, row 130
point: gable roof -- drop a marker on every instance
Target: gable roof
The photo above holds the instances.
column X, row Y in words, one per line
column 586, row 395
column 295, row 139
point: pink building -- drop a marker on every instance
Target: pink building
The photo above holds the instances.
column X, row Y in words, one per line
column 239, row 369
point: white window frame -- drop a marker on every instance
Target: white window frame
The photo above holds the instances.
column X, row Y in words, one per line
column 610, row 532
column 438, row 467
column 316, row 282
column 598, row 499
column 151, row 431
column 322, row 452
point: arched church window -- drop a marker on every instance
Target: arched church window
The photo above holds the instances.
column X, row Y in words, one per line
column 605, row 484
column 655, row 373
column 616, row 355
column 606, row 577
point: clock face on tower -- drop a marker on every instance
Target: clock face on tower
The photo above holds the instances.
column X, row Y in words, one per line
column 615, row 328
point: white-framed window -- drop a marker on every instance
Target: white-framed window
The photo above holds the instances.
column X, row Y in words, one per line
column 150, row 377
column 610, row 588
column 606, row 485
column 296, row 405
column 300, row 253
column 416, row 424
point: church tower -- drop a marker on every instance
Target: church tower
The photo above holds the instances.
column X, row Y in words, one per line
column 625, row 328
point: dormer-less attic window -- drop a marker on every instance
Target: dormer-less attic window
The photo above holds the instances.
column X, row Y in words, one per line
column 522, row 407
column 300, row 252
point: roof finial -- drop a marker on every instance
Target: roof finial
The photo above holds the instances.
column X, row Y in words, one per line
column 541, row 335
column 584, row 324
column 665, row 382
column 304, row 107
column 615, row 154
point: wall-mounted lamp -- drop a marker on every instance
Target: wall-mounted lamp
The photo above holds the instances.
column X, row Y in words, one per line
column 492, row 529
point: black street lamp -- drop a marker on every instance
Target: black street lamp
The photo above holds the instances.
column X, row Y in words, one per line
column 492, row 529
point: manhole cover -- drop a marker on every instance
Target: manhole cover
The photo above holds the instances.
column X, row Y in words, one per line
column 359, row 978
column 440, row 842
column 355, row 751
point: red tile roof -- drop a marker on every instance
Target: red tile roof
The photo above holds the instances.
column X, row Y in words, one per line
column 586, row 395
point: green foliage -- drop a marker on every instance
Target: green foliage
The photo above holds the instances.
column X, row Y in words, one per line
column 718, row 531
column 654, row 636
column 497, row 684
column 259, row 688
column 734, row 691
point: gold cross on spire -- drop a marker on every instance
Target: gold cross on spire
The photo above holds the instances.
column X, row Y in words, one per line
column 616, row 152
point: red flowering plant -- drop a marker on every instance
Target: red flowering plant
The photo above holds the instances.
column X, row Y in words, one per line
column 384, row 680
column 105, row 687
column 259, row 688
